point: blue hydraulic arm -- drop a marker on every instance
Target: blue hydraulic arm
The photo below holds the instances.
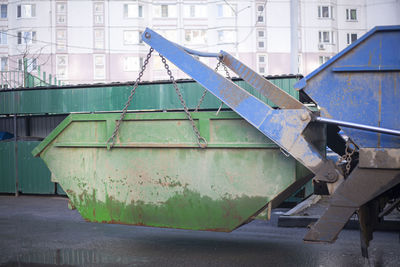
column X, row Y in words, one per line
column 284, row 126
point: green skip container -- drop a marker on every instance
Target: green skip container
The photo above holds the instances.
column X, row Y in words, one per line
column 156, row 175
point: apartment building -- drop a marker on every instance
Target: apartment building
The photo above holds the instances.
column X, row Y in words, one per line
column 99, row 41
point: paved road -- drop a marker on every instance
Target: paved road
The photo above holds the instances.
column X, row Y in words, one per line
column 42, row 231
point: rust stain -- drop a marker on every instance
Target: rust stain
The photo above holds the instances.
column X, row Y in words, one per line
column 233, row 99
column 348, row 81
column 379, row 110
column 370, row 59
column 95, row 132
column 380, row 52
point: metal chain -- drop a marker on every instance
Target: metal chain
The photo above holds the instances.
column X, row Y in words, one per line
column 348, row 155
column 205, row 90
column 125, row 109
column 200, row 140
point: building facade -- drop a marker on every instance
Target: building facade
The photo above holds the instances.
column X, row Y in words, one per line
column 99, row 41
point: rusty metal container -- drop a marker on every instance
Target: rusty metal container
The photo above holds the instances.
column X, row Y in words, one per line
column 156, row 175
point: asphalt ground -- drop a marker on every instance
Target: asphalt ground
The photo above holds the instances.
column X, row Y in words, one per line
column 42, row 231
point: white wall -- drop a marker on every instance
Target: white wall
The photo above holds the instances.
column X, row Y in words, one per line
column 277, row 26
column 382, row 12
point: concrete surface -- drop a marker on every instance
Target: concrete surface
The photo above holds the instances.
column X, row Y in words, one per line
column 42, row 231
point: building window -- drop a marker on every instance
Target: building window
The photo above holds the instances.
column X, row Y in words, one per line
column 61, row 11
column 99, row 66
column 262, row 63
column 140, row 11
column 260, row 13
column 61, row 36
column 192, row 11
column 98, row 7
column 3, row 37
column 325, row 12
column 140, row 33
column 226, row 11
column 165, row 11
column 99, row 38
column 132, row 63
column 226, row 36
column 31, row 64
column 132, row 37
column 326, row 37
column 98, row 13
column 351, row 14
column 26, row 11
column 195, row 36
column 4, row 64
column 61, row 8
column 133, row 11
column 261, row 39
column 323, row 59
column 3, row 11
column 299, row 63
column 26, row 37
column 351, row 38
column 195, row 11
column 62, row 66
column 61, row 19
column 98, row 19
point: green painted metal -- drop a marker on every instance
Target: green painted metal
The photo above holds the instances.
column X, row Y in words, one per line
column 7, row 167
column 157, row 176
column 149, row 96
column 33, row 174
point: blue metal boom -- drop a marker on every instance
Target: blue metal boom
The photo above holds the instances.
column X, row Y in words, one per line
column 283, row 126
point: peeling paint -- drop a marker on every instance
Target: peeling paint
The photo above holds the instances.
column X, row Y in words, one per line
column 215, row 189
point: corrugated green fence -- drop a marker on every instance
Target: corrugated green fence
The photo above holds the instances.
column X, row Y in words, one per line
column 7, row 167
column 33, row 174
column 112, row 97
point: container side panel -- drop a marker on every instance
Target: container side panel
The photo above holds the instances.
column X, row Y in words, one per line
column 7, row 167
column 177, row 185
column 362, row 86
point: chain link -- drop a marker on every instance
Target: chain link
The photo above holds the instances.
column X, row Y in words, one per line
column 200, row 140
column 205, row 90
column 349, row 152
column 125, row 109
